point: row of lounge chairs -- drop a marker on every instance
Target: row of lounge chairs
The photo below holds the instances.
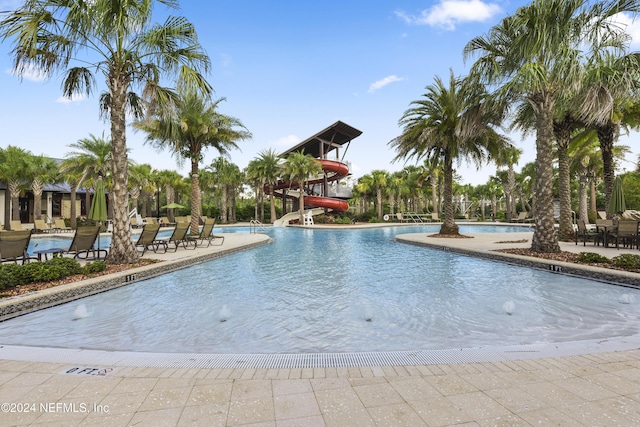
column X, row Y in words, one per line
column 148, row 239
column 14, row 244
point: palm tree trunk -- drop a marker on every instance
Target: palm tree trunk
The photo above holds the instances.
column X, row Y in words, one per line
column 449, row 225
column 584, row 214
column 606, row 135
column 562, row 131
column 36, row 187
column 123, row 250
column 545, row 238
column 73, row 210
column 14, row 192
column 379, row 198
column 196, row 202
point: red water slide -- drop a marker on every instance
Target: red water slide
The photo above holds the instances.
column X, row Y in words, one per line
column 333, row 170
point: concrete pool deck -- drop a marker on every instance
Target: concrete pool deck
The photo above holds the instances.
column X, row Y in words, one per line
column 592, row 389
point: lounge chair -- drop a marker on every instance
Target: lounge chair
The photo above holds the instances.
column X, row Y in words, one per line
column 60, row 226
column 148, row 238
column 16, row 225
column 164, row 221
column 13, row 246
column 178, row 237
column 39, row 226
column 522, row 217
column 207, row 233
column 83, row 243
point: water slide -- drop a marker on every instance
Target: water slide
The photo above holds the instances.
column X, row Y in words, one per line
column 334, row 171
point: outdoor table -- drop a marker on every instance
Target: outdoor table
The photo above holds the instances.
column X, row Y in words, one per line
column 45, row 253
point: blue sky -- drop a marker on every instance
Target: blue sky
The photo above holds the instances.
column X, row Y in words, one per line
column 288, row 68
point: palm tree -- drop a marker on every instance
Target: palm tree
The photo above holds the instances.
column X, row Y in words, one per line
column 255, row 180
column 509, row 157
column 380, row 178
column 91, row 157
column 41, row 170
column 299, row 167
column 14, row 171
column 450, row 122
column 119, row 40
column 268, row 167
column 139, row 178
column 189, row 127
column 535, row 56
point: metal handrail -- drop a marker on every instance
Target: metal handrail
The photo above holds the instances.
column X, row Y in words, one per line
column 254, row 224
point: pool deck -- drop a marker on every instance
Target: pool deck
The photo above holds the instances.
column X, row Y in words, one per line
column 592, row 389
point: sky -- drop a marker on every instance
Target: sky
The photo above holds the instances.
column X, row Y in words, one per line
column 288, row 69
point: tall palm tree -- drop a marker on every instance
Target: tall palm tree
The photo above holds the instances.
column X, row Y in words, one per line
column 509, row 157
column 189, row 127
column 450, row 122
column 41, row 170
column 119, row 40
column 14, row 171
column 299, row 167
column 255, row 180
column 535, row 56
column 92, row 157
column 380, row 179
column 268, row 165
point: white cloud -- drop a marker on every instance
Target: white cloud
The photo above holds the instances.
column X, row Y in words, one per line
column 448, row 13
column 383, row 82
column 74, row 98
column 31, row 73
column 631, row 26
column 288, row 141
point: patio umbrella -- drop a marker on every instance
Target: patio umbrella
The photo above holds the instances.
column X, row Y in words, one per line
column 617, row 204
column 98, row 211
column 173, row 206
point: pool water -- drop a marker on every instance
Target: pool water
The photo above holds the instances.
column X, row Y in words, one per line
column 336, row 291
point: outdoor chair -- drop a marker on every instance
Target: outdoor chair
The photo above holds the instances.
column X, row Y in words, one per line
column 207, row 233
column 148, row 238
column 83, row 243
column 13, row 246
column 16, row 225
column 626, row 232
column 178, row 237
column 39, row 226
column 166, row 223
column 582, row 232
column 60, row 226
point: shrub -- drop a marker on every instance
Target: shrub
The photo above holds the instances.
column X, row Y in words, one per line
column 94, row 267
column 627, row 261
column 69, row 264
column 592, row 258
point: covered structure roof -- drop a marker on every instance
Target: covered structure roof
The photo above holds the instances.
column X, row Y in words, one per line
column 333, row 137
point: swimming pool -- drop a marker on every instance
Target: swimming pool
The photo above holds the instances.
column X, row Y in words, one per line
column 336, row 291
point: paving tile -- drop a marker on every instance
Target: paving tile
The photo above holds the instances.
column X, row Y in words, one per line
column 315, row 421
column 282, row 387
column 329, row 383
column 248, row 411
column 157, row 418
column 355, row 417
column 338, row 400
column 166, row 398
column 205, row 415
column 615, row 383
column 295, row 406
column 396, row 415
column 516, row 399
column 377, row 394
column 486, row 380
column 510, row 420
column 129, row 385
column 414, row 388
column 439, row 411
column 210, row 393
column 552, row 393
column 478, row 405
column 450, row 384
column 124, row 403
column 107, row 420
column 248, row 389
column 25, row 379
column 585, row 389
column 550, row 417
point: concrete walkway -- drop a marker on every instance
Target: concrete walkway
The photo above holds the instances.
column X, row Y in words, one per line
column 600, row 389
